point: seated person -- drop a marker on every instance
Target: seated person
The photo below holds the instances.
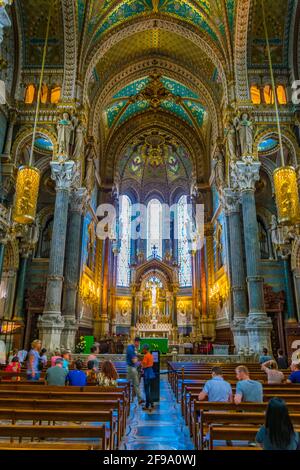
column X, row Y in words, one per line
column 275, row 376
column 108, row 375
column 282, row 360
column 265, row 357
column 216, row 389
column 93, row 357
column 66, row 359
column 294, row 377
column 56, row 355
column 43, row 356
column 278, row 431
column 91, row 374
column 77, row 377
column 56, row 375
column 13, row 366
column 247, row 390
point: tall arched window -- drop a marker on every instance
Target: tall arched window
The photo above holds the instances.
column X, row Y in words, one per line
column 123, row 276
column 154, row 228
column 184, row 256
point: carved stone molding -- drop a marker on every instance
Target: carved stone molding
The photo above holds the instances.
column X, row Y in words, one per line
column 79, row 200
column 63, row 174
column 245, row 173
column 230, row 201
column 70, row 48
column 241, row 49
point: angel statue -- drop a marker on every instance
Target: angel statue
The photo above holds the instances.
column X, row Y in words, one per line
column 245, row 132
column 79, row 134
column 219, row 168
column 64, row 133
column 231, row 137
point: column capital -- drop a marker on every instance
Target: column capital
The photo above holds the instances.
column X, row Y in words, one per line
column 230, row 201
column 245, row 173
column 79, row 200
column 63, row 174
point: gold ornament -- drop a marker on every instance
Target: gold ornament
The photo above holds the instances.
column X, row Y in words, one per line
column 27, row 191
column 286, row 193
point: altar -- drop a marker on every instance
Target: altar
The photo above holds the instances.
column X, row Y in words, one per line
column 154, row 330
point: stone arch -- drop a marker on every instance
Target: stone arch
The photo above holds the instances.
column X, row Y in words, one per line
column 70, row 49
column 174, row 71
column 154, row 273
column 143, row 24
column 24, row 136
column 241, row 50
column 11, row 258
column 287, row 137
column 295, row 255
column 131, row 128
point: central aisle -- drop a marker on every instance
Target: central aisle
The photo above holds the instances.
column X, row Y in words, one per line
column 161, row 429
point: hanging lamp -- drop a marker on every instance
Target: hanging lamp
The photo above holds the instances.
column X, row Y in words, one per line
column 285, row 177
column 28, row 177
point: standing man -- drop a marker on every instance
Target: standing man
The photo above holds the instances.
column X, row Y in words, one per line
column 33, row 367
column 147, row 364
column 132, row 373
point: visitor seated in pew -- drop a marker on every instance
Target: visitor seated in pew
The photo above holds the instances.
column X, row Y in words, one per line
column 56, row 375
column 216, row 389
column 294, row 377
column 278, row 431
column 77, row 377
column 93, row 357
column 43, row 357
column 91, row 374
column 66, row 355
column 247, row 389
column 108, row 375
column 13, row 366
column 282, row 360
column 274, row 375
column 56, row 355
column 265, row 356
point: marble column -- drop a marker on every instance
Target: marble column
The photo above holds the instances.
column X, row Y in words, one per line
column 104, row 322
column 238, row 275
column 19, row 301
column 9, row 135
column 113, row 290
column 78, row 201
column 51, row 323
column 296, row 279
column 291, row 314
column 258, row 325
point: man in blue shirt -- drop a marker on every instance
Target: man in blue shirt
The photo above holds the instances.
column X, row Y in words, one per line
column 265, row 357
column 77, row 377
column 216, row 389
column 132, row 373
column 294, row 377
column 247, row 389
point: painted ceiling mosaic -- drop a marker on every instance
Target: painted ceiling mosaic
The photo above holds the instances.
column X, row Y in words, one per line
column 203, row 14
column 156, row 157
column 278, row 16
column 155, row 92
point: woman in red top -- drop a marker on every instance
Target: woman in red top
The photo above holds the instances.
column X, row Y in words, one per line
column 14, row 366
column 147, row 365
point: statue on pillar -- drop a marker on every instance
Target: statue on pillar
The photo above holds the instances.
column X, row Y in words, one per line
column 232, row 138
column 245, row 132
column 78, row 139
column 219, row 168
column 65, row 129
column 90, row 174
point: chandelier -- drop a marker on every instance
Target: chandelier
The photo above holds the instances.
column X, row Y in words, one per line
column 28, row 177
column 285, row 178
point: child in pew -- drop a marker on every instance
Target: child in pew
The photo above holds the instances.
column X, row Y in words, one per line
column 77, row 377
column 278, row 431
column 13, row 366
column 91, row 374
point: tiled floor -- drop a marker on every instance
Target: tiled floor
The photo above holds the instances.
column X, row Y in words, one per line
column 162, row 429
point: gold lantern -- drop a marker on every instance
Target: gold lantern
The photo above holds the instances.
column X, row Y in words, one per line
column 286, row 193
column 27, row 190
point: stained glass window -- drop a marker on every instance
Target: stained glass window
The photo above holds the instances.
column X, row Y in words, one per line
column 184, row 256
column 154, row 228
column 123, row 276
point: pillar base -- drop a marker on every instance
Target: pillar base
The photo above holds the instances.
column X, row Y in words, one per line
column 259, row 327
column 240, row 334
column 50, row 329
column 68, row 334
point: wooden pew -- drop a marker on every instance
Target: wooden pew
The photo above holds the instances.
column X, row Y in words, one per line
column 99, row 433
column 230, row 408
column 38, row 416
column 208, row 418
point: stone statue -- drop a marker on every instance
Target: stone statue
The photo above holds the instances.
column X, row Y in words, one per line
column 219, row 169
column 64, row 133
column 90, row 174
column 91, row 245
column 245, row 132
column 79, row 133
column 231, row 137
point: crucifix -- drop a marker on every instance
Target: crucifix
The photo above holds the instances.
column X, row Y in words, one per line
column 154, row 251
